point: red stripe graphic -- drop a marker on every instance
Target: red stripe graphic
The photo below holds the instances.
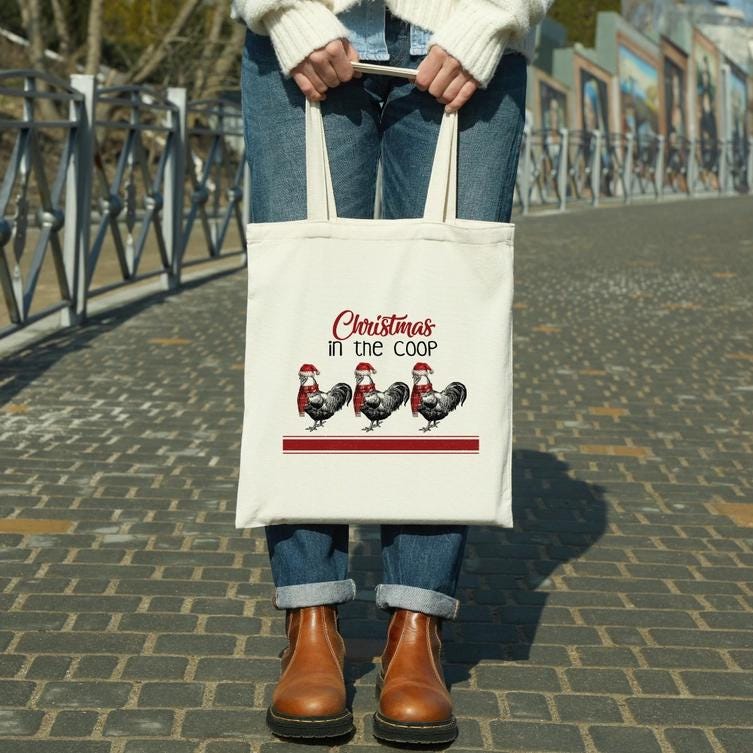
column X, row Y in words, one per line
column 380, row 444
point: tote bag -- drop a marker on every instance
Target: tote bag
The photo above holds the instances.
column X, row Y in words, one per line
column 378, row 364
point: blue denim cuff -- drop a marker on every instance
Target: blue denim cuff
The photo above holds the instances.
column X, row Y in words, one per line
column 314, row 594
column 392, row 596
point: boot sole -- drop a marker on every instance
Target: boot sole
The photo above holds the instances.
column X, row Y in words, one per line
column 418, row 733
column 309, row 726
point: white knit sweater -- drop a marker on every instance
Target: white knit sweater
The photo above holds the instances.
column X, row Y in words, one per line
column 476, row 32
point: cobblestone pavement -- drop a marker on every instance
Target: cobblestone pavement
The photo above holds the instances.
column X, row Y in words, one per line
column 617, row 617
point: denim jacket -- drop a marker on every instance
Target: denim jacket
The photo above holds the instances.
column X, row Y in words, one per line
column 365, row 21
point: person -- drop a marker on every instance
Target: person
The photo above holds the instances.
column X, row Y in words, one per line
column 470, row 56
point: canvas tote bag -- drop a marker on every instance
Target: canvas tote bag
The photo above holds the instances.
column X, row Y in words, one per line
column 378, row 365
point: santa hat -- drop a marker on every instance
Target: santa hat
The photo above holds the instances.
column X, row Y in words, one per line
column 364, row 368
column 308, row 370
column 422, row 369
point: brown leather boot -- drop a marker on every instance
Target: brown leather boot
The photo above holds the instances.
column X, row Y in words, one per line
column 414, row 702
column 309, row 699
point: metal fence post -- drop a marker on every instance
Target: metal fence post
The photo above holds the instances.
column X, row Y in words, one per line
column 627, row 168
column 175, row 176
column 562, row 168
column 78, row 202
column 596, row 168
column 246, row 191
column 723, row 156
column 659, row 168
column 525, row 182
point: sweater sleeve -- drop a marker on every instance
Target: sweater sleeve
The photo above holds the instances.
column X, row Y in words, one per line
column 296, row 27
column 477, row 31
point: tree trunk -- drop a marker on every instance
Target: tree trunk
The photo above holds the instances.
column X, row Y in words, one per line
column 225, row 62
column 64, row 36
column 209, row 47
column 94, row 38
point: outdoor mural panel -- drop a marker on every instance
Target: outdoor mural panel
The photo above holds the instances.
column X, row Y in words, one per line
column 639, row 92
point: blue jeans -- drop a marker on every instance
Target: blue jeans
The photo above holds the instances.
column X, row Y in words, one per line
column 365, row 119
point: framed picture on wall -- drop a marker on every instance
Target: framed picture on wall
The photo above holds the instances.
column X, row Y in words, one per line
column 593, row 93
column 551, row 105
column 675, row 70
column 737, row 106
column 639, row 89
column 704, row 81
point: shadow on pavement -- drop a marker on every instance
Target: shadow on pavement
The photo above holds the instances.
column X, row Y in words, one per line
column 20, row 368
column 505, row 573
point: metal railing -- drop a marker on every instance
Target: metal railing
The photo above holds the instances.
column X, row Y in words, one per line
column 129, row 181
column 133, row 184
column 559, row 168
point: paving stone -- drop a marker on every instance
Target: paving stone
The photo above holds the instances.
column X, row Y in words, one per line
column 683, row 658
column 173, row 694
column 223, row 723
column 138, row 722
column 517, row 678
column 605, row 681
column 73, row 724
column 53, row 746
column 674, row 711
column 688, row 740
column 732, row 684
column 587, row 708
column 48, row 667
column 155, row 667
column 528, row 706
column 536, row 737
column 10, row 664
column 87, row 694
column 202, row 645
column 735, row 740
column 160, row 746
column 15, row 692
column 614, row 739
column 229, row 746
column 655, row 682
column 18, row 722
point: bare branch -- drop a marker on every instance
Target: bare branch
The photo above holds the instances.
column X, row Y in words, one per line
column 155, row 54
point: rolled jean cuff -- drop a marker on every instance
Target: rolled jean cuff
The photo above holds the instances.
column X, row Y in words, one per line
column 314, row 594
column 393, row 596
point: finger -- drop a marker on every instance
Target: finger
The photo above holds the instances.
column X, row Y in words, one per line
column 352, row 54
column 320, row 60
column 466, row 92
column 313, row 76
column 449, row 70
column 429, row 67
column 453, row 88
column 307, row 88
column 341, row 63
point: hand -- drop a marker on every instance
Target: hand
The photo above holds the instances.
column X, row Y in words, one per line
column 324, row 68
column 445, row 79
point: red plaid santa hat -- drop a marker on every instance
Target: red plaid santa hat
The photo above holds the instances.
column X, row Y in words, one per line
column 308, row 370
column 422, row 369
column 364, row 369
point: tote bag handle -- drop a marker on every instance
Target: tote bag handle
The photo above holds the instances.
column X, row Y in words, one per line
column 441, row 197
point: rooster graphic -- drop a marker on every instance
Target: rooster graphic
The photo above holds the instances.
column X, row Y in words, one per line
column 433, row 405
column 316, row 404
column 376, row 405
